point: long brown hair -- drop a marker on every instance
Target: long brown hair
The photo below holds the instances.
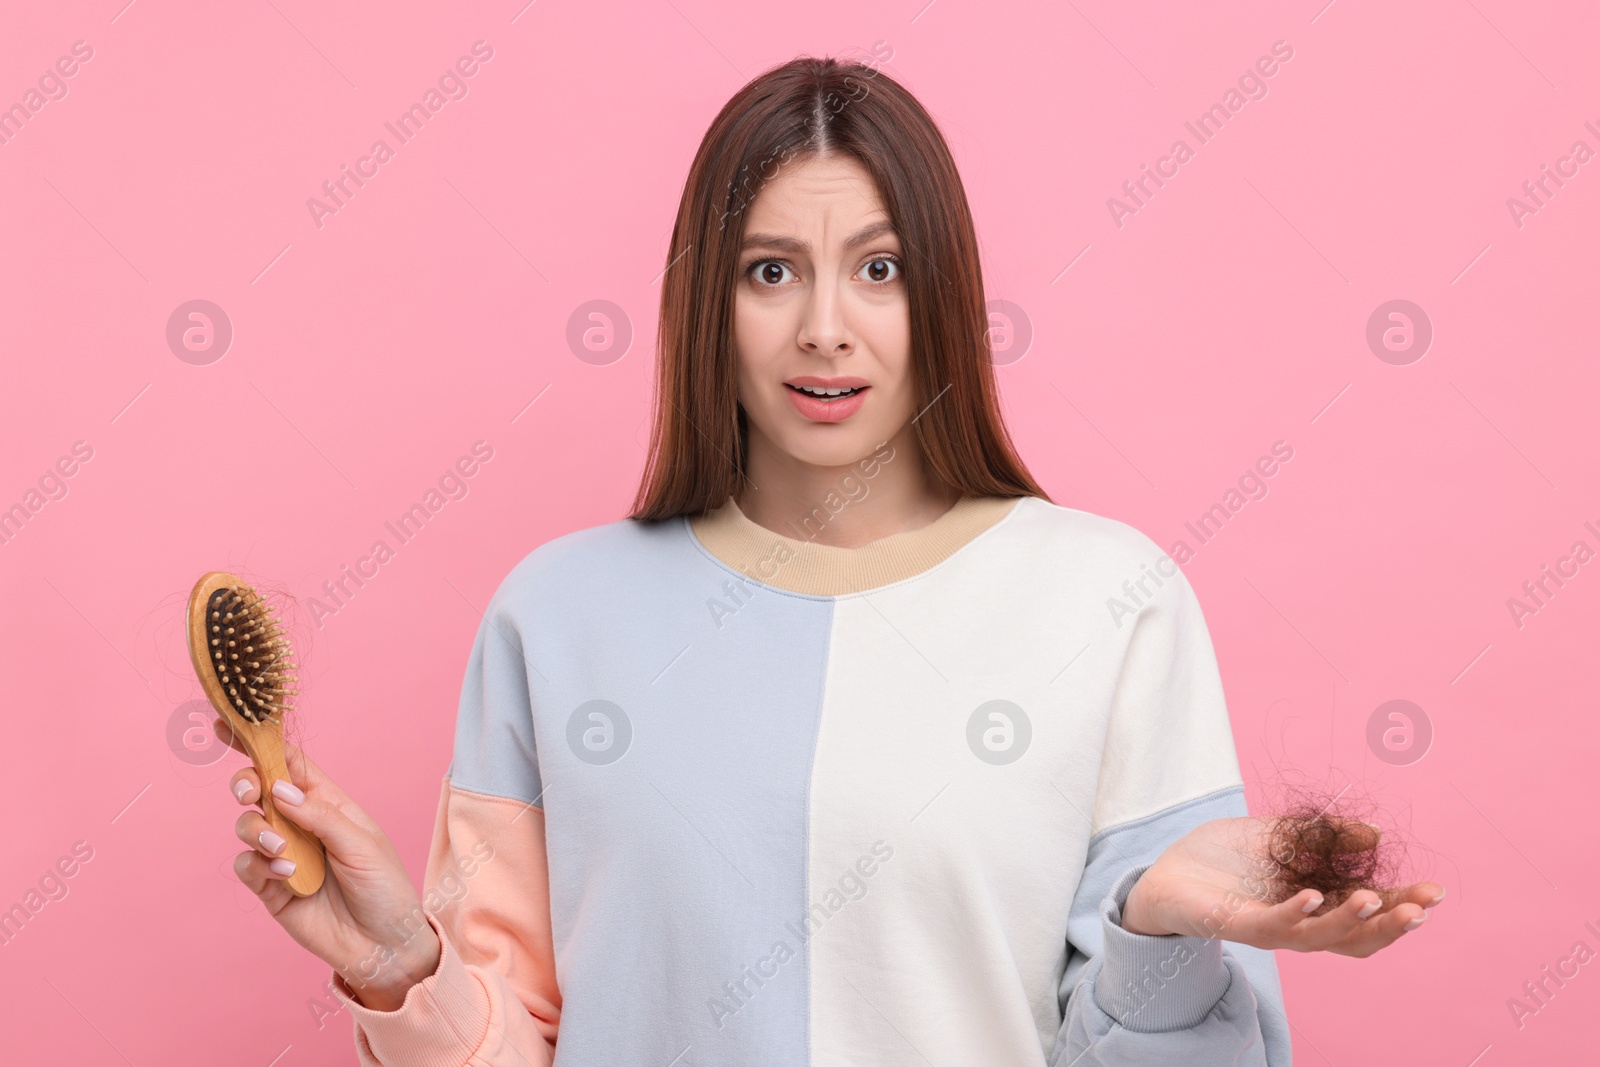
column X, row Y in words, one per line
column 801, row 109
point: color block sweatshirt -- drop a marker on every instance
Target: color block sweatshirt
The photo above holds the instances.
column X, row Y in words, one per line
column 725, row 797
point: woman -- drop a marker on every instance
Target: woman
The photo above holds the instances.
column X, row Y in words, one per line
column 831, row 752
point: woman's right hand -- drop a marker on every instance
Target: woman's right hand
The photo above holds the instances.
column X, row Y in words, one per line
column 366, row 920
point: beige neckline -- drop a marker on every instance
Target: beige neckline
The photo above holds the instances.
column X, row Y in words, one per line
column 804, row 566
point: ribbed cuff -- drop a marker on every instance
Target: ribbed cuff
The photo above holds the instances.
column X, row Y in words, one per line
column 441, row 1023
column 1155, row 983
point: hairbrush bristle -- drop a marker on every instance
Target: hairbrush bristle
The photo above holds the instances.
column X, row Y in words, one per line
column 250, row 653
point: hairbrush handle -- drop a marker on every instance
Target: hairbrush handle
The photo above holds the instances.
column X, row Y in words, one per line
column 303, row 847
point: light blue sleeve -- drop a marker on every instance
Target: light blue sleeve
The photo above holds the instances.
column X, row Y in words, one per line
column 1141, row 999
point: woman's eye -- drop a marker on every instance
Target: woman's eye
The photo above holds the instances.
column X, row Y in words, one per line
column 883, row 270
column 767, row 271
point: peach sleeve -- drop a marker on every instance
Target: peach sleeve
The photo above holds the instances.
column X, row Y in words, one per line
column 493, row 1000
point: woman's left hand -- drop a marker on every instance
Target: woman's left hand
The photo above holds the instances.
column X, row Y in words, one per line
column 1209, row 882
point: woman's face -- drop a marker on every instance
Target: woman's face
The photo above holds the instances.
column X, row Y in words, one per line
column 820, row 300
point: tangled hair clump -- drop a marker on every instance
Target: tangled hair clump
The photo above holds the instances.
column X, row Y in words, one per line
column 1319, row 843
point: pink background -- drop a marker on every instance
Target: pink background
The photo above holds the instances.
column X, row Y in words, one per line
column 368, row 354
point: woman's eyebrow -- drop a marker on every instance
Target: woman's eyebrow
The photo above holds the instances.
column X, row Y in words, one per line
column 799, row 247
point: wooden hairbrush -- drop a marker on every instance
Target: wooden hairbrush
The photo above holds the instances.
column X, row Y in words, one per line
column 245, row 664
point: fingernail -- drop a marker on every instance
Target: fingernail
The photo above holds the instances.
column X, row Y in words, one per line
column 271, row 841
column 1435, row 900
column 242, row 788
column 288, row 792
column 282, row 866
column 1313, row 904
column 1414, row 923
column 1375, row 826
column 1368, row 908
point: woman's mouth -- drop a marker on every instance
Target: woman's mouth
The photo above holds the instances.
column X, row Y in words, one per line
column 827, row 404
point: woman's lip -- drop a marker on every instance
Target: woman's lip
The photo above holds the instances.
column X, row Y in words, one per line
column 827, row 383
column 827, row 410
